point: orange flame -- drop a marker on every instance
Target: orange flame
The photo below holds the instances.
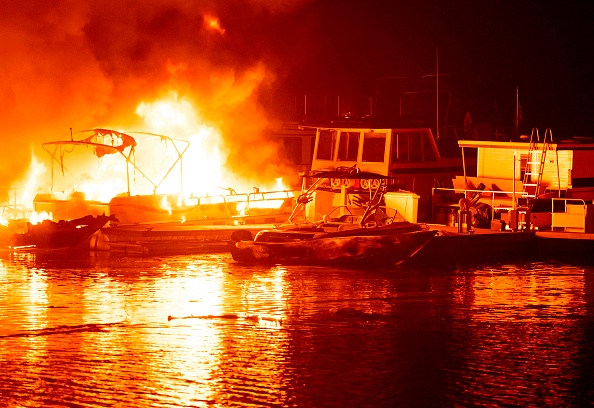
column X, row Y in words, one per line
column 213, row 23
column 199, row 171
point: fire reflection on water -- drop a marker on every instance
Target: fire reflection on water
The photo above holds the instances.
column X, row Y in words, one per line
column 521, row 325
column 198, row 331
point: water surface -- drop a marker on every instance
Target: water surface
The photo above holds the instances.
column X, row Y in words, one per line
column 204, row 331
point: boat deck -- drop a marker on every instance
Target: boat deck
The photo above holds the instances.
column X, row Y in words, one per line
column 451, row 246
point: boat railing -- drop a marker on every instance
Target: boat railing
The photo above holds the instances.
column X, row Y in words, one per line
column 569, row 214
column 243, row 204
column 497, row 199
column 13, row 212
column 270, row 195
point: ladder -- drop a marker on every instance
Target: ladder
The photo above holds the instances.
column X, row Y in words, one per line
column 532, row 180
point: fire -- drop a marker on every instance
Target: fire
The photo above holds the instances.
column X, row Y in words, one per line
column 213, row 23
column 30, row 185
column 182, row 172
column 202, row 162
column 37, row 217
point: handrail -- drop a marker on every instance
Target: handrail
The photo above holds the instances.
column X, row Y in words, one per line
column 574, row 221
column 492, row 193
column 565, row 200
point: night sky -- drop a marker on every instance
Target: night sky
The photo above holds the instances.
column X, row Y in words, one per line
column 487, row 49
column 69, row 64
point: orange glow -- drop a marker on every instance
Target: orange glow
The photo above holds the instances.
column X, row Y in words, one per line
column 191, row 162
column 213, row 23
column 205, row 157
column 29, row 184
column 37, row 217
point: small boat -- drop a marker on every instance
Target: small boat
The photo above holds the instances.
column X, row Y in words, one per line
column 62, row 234
column 359, row 231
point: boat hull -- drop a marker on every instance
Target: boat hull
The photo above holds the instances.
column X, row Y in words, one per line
column 62, row 234
column 367, row 250
column 171, row 238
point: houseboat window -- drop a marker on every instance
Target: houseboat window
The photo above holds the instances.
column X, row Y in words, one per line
column 400, row 147
column 349, row 146
column 374, row 147
column 416, row 147
column 326, row 144
column 412, row 147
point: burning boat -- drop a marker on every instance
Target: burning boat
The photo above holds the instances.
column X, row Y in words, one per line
column 155, row 222
column 195, row 224
column 174, row 222
column 356, row 226
column 49, row 235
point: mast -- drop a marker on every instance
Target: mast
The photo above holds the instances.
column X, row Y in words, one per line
column 436, row 93
column 517, row 121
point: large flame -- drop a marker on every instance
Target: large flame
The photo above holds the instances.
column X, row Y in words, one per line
column 160, row 165
column 119, row 67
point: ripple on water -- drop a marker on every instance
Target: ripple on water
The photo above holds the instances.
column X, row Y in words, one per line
column 205, row 331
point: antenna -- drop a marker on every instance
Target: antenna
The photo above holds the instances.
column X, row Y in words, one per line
column 436, row 93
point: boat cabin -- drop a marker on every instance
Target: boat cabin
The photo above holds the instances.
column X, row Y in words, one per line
column 408, row 156
column 564, row 169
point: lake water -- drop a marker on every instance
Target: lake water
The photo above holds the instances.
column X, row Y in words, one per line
column 193, row 331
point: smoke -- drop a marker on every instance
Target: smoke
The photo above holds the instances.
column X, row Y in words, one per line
column 69, row 64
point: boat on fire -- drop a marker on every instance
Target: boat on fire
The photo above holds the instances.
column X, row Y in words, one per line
column 358, row 228
column 158, row 222
column 50, row 235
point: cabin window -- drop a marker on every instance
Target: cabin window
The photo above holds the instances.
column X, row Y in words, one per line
column 349, row 146
column 374, row 147
column 326, row 142
column 412, row 147
column 400, row 147
column 417, row 147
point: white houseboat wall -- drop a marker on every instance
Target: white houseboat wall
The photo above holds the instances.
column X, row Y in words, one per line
column 526, row 184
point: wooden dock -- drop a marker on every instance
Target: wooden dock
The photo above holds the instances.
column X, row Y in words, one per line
column 171, row 238
column 451, row 246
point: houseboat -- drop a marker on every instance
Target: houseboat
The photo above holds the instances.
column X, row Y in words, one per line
column 536, row 184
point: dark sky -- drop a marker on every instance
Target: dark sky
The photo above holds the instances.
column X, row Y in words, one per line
column 70, row 64
column 488, row 48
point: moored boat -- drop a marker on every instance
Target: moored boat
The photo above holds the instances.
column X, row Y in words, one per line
column 50, row 235
column 535, row 194
column 409, row 157
column 357, row 229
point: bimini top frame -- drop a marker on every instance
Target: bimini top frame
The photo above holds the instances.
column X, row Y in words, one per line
column 107, row 141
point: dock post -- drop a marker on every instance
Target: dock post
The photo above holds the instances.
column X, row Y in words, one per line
column 464, row 217
column 513, row 219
